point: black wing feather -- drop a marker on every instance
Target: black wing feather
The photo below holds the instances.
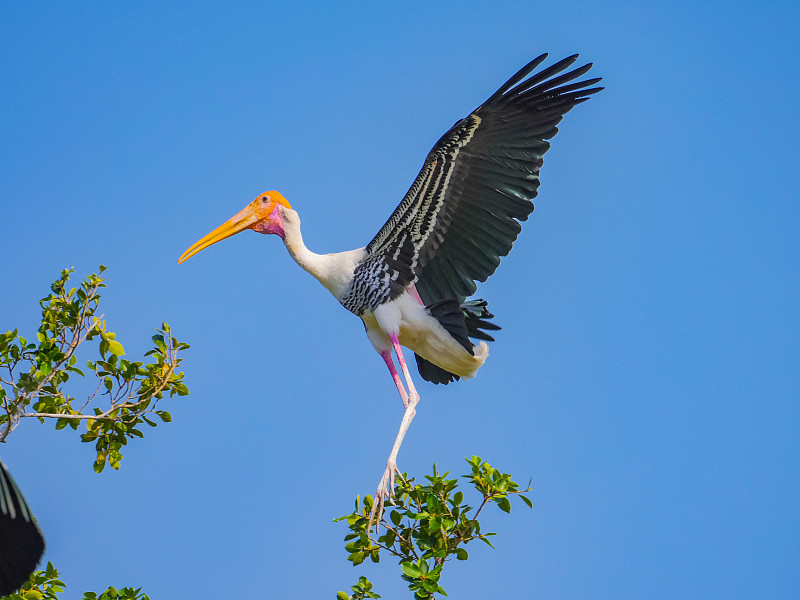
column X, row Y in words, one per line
column 461, row 214
column 21, row 541
column 518, row 76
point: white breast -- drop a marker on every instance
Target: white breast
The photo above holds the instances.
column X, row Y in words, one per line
column 421, row 333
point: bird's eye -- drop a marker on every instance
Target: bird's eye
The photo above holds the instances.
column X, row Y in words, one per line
column 265, row 199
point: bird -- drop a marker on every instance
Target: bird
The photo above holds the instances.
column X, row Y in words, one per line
column 411, row 284
column 21, row 540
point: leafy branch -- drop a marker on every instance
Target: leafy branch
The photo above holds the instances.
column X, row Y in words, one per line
column 33, row 375
column 46, row 585
column 426, row 525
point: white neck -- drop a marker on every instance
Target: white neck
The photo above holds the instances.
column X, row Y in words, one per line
column 310, row 261
column 334, row 271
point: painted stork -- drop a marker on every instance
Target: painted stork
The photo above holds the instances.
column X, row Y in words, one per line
column 461, row 215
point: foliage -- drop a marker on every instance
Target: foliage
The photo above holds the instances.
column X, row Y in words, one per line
column 44, row 585
column 426, row 525
column 34, row 374
column 41, row 585
column 361, row 591
column 113, row 593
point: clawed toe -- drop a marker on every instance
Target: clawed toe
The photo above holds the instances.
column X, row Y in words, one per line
column 384, row 492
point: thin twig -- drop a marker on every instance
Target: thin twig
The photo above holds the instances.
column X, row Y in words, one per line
column 480, row 508
column 85, row 404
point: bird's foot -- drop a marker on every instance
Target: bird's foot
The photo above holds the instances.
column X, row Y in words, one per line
column 384, row 492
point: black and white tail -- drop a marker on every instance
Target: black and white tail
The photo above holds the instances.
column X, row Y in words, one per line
column 462, row 321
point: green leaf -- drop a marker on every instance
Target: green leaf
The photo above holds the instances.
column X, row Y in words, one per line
column 158, row 340
column 342, row 596
column 461, row 554
column 100, row 463
column 390, row 537
column 410, row 570
column 115, row 348
column 165, row 416
column 504, row 505
column 526, row 500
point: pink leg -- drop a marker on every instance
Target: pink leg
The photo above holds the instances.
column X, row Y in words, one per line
column 386, row 486
column 413, row 396
column 387, row 358
column 412, row 289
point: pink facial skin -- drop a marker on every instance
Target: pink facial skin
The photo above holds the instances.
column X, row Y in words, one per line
column 272, row 224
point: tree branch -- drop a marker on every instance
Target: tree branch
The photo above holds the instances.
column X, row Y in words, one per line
column 105, row 415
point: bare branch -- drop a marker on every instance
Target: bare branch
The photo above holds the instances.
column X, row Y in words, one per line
column 64, row 416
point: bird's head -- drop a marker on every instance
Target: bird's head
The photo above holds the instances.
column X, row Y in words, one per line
column 264, row 215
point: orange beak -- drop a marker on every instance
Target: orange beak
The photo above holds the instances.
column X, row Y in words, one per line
column 262, row 211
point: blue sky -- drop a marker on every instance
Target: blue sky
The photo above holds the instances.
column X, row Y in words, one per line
column 647, row 376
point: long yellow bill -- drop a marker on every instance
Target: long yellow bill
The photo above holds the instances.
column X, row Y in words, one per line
column 238, row 223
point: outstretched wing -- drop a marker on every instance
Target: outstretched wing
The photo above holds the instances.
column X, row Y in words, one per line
column 462, row 212
column 21, row 541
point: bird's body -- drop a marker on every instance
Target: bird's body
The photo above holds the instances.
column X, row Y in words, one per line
column 409, row 285
column 405, row 315
column 436, row 333
column 423, row 334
